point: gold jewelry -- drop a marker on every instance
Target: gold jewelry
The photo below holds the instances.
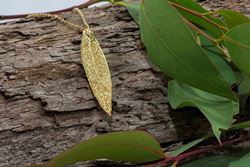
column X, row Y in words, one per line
column 93, row 61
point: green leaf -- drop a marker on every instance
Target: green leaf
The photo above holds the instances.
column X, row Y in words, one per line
column 237, row 41
column 45, row 165
column 187, row 146
column 244, row 87
column 242, row 162
column 134, row 10
column 216, row 56
column 244, row 91
column 213, row 161
column 241, row 125
column 222, row 161
column 194, row 6
column 132, row 146
column 233, row 18
column 218, row 110
column 173, row 48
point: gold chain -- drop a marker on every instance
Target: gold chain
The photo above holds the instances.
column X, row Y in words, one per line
column 62, row 20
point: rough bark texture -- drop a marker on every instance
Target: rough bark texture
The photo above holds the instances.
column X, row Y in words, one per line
column 242, row 6
column 46, row 105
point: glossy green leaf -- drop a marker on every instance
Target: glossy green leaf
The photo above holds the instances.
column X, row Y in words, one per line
column 218, row 110
column 217, row 57
column 237, row 41
column 233, row 18
column 187, row 146
column 232, row 160
column 194, row 6
column 134, row 10
column 172, row 47
column 132, row 146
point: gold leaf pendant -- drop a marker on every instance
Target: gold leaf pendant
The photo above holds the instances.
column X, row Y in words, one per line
column 93, row 61
column 96, row 67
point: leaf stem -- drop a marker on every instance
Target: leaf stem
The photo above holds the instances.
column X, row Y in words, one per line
column 191, row 25
column 225, row 51
column 215, row 41
column 201, row 15
column 175, row 163
column 195, row 152
column 207, row 13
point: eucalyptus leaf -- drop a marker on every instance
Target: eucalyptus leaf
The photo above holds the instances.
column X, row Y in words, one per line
column 240, row 159
column 244, row 87
column 196, row 7
column 242, row 162
column 212, row 161
column 233, row 18
column 237, row 41
column 187, row 146
column 244, row 91
column 131, row 146
column 241, row 125
column 44, row 165
column 134, row 10
column 172, row 47
column 217, row 57
column 218, row 110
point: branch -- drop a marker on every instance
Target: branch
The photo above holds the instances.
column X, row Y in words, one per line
column 84, row 5
column 196, row 152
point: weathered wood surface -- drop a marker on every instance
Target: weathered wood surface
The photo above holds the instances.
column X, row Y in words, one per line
column 46, row 105
column 242, row 6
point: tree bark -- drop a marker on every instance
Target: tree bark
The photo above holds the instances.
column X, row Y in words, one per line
column 46, row 105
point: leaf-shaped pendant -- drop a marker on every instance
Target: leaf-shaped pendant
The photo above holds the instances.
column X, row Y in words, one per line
column 93, row 61
column 97, row 70
column 96, row 67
